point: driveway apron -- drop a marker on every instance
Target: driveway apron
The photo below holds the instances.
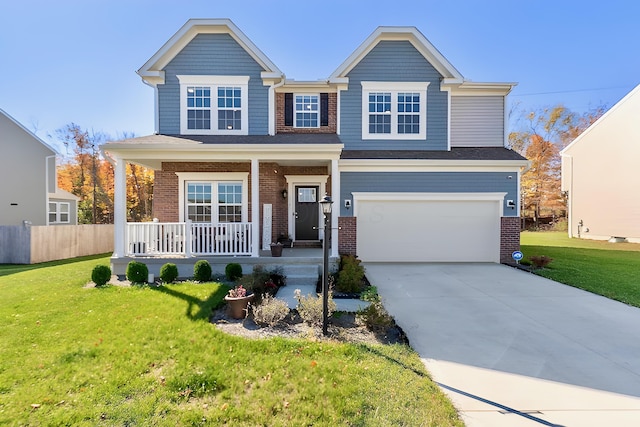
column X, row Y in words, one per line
column 514, row 349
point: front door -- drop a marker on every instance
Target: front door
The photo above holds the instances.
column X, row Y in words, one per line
column 306, row 212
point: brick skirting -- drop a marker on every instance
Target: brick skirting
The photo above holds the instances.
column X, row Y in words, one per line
column 509, row 238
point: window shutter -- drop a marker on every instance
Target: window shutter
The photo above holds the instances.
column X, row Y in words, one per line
column 324, row 109
column 288, row 109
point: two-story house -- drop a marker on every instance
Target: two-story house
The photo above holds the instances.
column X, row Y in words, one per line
column 29, row 192
column 412, row 154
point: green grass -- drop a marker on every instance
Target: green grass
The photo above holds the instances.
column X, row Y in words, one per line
column 607, row 269
column 149, row 356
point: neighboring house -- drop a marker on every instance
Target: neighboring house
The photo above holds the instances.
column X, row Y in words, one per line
column 28, row 189
column 412, row 153
column 600, row 175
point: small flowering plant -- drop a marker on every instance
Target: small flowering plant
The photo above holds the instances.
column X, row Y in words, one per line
column 238, row 292
column 270, row 285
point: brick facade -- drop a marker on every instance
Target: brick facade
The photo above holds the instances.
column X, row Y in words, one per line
column 509, row 238
column 347, row 235
column 281, row 128
column 272, row 182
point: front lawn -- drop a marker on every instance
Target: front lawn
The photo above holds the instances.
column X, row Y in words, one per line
column 72, row 355
column 608, row 269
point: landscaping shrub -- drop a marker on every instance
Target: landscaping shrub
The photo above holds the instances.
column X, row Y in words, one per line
column 271, row 311
column 233, row 271
column 202, row 271
column 278, row 277
column 540, row 261
column 374, row 317
column 101, row 275
column 137, row 272
column 169, row 273
column 310, row 308
column 261, row 282
column 350, row 276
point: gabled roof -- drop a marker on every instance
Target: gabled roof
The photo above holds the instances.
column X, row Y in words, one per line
column 28, row 132
column 151, row 72
column 410, row 34
column 604, row 117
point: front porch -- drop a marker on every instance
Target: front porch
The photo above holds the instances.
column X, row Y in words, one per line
column 225, row 201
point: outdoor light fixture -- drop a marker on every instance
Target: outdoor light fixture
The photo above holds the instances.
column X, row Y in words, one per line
column 325, row 203
column 285, row 193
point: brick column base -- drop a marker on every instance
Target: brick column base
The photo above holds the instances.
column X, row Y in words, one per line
column 347, row 235
column 509, row 238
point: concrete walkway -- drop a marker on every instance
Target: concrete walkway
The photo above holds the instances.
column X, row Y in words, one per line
column 513, row 349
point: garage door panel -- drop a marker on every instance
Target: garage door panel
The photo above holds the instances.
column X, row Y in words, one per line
column 431, row 231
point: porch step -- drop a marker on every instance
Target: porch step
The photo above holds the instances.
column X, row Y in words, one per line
column 307, row 244
column 301, row 274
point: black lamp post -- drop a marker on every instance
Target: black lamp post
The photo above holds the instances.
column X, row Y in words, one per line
column 326, row 203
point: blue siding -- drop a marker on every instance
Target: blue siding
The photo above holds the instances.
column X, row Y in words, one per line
column 213, row 54
column 429, row 182
column 393, row 61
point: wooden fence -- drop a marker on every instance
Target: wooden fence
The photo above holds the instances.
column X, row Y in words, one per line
column 34, row 244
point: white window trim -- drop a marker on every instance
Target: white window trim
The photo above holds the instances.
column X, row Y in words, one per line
column 295, row 121
column 394, row 88
column 59, row 212
column 213, row 82
column 214, row 179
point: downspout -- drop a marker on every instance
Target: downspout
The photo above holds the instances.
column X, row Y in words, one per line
column 156, row 107
column 272, row 105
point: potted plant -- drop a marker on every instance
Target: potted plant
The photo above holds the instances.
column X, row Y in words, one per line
column 276, row 249
column 238, row 301
column 285, row 239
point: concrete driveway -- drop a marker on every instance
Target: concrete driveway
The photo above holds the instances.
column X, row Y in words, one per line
column 514, row 349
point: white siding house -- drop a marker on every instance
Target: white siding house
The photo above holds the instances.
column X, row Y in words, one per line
column 601, row 176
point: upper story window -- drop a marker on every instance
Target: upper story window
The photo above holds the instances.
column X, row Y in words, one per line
column 226, row 113
column 394, row 110
column 307, row 111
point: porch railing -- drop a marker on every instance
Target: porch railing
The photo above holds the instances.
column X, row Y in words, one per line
column 188, row 238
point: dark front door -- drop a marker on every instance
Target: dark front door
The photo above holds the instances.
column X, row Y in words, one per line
column 306, row 212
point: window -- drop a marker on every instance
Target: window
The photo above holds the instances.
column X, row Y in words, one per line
column 230, row 202
column 307, row 108
column 201, row 206
column 380, row 112
column 213, row 104
column 198, row 107
column 199, row 201
column 229, row 108
column 59, row 212
column 394, row 110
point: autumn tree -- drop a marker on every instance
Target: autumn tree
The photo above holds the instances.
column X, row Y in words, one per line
column 540, row 136
column 85, row 173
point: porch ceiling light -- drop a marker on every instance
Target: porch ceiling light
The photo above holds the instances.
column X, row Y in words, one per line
column 326, row 203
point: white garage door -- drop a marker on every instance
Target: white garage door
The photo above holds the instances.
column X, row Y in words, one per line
column 431, row 227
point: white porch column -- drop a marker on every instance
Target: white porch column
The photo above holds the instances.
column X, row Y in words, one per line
column 119, row 207
column 255, row 208
column 335, row 212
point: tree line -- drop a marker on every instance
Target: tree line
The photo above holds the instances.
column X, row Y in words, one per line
column 539, row 136
column 87, row 174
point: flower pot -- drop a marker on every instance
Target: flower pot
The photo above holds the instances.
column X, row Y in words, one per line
column 276, row 250
column 238, row 305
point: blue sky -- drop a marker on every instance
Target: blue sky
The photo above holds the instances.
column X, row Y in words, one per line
column 75, row 60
